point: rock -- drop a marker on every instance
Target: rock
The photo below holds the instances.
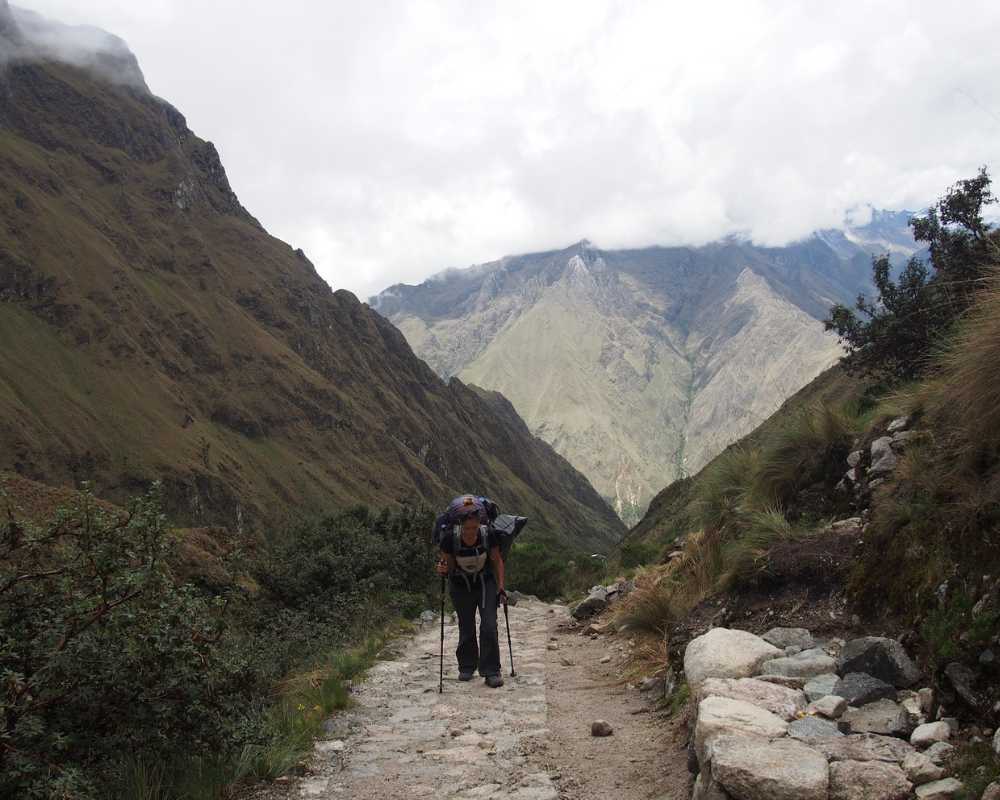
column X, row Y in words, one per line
column 846, row 524
column 724, row 653
column 899, row 424
column 963, row 681
column 650, row 683
column 812, row 728
column 551, row 646
column 867, row 780
column 566, row 662
column 427, row 616
column 854, row 458
column 601, row 727
column 756, row 769
column 720, row 716
column 996, row 742
column 940, row 790
column 863, row 747
column 882, row 716
column 782, row 680
column 705, row 788
column 606, row 659
column 830, row 706
column 780, row 701
column 789, row 637
column 900, row 439
column 793, row 650
column 940, row 753
column 820, row 686
column 857, row 689
column 930, row 732
column 991, row 792
column 806, row 664
column 884, row 460
column 596, row 601
column 881, row 658
column 926, row 696
column 920, row 769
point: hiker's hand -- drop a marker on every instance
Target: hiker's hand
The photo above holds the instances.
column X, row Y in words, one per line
column 442, row 567
column 502, row 596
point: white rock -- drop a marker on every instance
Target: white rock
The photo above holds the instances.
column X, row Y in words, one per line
column 883, row 458
column 806, row 664
column 899, row 424
column 719, row 716
column 930, row 732
column 940, row 790
column 854, row 458
column 725, row 653
column 829, row 706
column 940, row 752
column 751, row 768
column 996, row 742
column 867, row 780
column 779, row 700
column 920, row 769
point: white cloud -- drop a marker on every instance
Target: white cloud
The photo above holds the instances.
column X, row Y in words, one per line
column 392, row 139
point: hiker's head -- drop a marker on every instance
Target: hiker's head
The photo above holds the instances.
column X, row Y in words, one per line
column 470, row 523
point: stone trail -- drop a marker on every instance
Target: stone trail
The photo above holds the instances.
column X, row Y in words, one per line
column 403, row 739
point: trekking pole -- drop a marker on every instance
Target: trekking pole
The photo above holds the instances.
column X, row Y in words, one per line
column 510, row 647
column 441, row 676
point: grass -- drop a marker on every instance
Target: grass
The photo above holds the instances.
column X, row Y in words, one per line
column 976, row 766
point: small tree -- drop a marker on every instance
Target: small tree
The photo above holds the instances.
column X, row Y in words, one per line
column 892, row 336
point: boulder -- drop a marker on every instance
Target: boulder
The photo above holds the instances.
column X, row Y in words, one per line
column 920, row 769
column 830, row 706
column 705, row 788
column 881, row 658
column 725, row 653
column 944, row 789
column 991, row 792
column 929, row 733
column 721, row 716
column 884, row 460
column 963, row 680
column 858, row 688
column 820, row 686
column 806, row 664
column 789, row 637
column 883, row 716
column 863, row 747
column 751, row 768
column 779, row 700
column 808, row 728
column 940, row 753
column 867, row 780
column 595, row 602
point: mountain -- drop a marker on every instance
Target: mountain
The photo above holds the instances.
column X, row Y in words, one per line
column 150, row 328
column 639, row 366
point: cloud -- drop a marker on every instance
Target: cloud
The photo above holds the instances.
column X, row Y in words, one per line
column 393, row 139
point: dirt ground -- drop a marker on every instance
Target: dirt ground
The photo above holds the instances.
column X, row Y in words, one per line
column 529, row 740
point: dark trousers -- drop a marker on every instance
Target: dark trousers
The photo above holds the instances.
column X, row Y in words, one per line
column 466, row 599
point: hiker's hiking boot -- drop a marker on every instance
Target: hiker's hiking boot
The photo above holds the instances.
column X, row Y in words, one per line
column 465, row 676
column 494, row 681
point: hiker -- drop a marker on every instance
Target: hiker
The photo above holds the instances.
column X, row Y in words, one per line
column 472, row 560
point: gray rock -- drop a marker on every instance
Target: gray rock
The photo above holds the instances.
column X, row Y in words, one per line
column 820, row 686
column 864, row 747
column 881, row 658
column 806, row 664
column 920, row 769
column 900, row 439
column 854, row 458
column 996, row 742
column 930, row 732
column 601, row 727
column 808, row 728
column 963, row 680
column 782, row 680
column 940, row 790
column 721, row 716
column 757, row 769
column 884, row 460
column 596, row 602
column 830, row 706
column 705, row 788
column 846, row 524
column 651, row 683
column 991, row 792
column 940, row 753
column 883, row 716
column 926, row 696
column 789, row 637
column 899, row 424
column 858, row 688
column 724, row 653
column 867, row 780
column 779, row 700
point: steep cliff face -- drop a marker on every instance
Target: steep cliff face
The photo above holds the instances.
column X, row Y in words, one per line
column 150, row 328
column 639, row 366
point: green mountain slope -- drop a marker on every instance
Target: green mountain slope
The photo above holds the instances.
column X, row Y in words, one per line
column 150, row 328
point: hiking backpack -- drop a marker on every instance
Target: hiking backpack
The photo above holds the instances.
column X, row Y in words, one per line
column 495, row 528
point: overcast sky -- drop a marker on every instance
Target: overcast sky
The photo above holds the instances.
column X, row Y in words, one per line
column 390, row 140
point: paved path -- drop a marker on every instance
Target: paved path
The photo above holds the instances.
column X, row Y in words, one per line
column 404, row 740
